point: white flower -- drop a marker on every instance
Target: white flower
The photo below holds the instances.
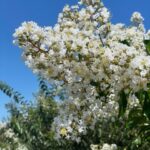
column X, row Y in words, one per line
column 147, row 35
column 109, row 147
column 105, row 14
column 94, row 147
column 137, row 18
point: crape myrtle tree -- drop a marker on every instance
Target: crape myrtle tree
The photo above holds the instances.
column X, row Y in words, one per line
column 102, row 71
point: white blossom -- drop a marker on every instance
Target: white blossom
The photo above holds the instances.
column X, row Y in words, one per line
column 92, row 59
column 137, row 18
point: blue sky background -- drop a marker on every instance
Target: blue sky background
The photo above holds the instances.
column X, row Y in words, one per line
column 44, row 12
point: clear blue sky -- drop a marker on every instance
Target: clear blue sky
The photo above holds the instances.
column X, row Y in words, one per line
column 44, row 12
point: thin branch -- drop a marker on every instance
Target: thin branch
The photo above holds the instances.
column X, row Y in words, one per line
column 39, row 49
column 101, row 40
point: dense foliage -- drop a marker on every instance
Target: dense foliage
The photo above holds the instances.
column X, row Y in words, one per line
column 94, row 86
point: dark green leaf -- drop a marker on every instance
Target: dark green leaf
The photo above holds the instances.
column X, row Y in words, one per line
column 122, row 103
column 147, row 45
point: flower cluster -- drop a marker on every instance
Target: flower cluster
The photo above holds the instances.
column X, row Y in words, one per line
column 104, row 147
column 90, row 2
column 137, row 18
column 7, row 135
column 92, row 59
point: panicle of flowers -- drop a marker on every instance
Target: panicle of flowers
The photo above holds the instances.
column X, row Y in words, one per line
column 92, row 59
column 137, row 18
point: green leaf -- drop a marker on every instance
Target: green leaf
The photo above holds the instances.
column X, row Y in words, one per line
column 147, row 45
column 122, row 103
column 145, row 128
column 94, row 83
column 126, row 42
column 146, row 106
column 140, row 95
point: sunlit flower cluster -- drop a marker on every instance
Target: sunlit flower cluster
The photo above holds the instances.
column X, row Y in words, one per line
column 137, row 18
column 92, row 59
